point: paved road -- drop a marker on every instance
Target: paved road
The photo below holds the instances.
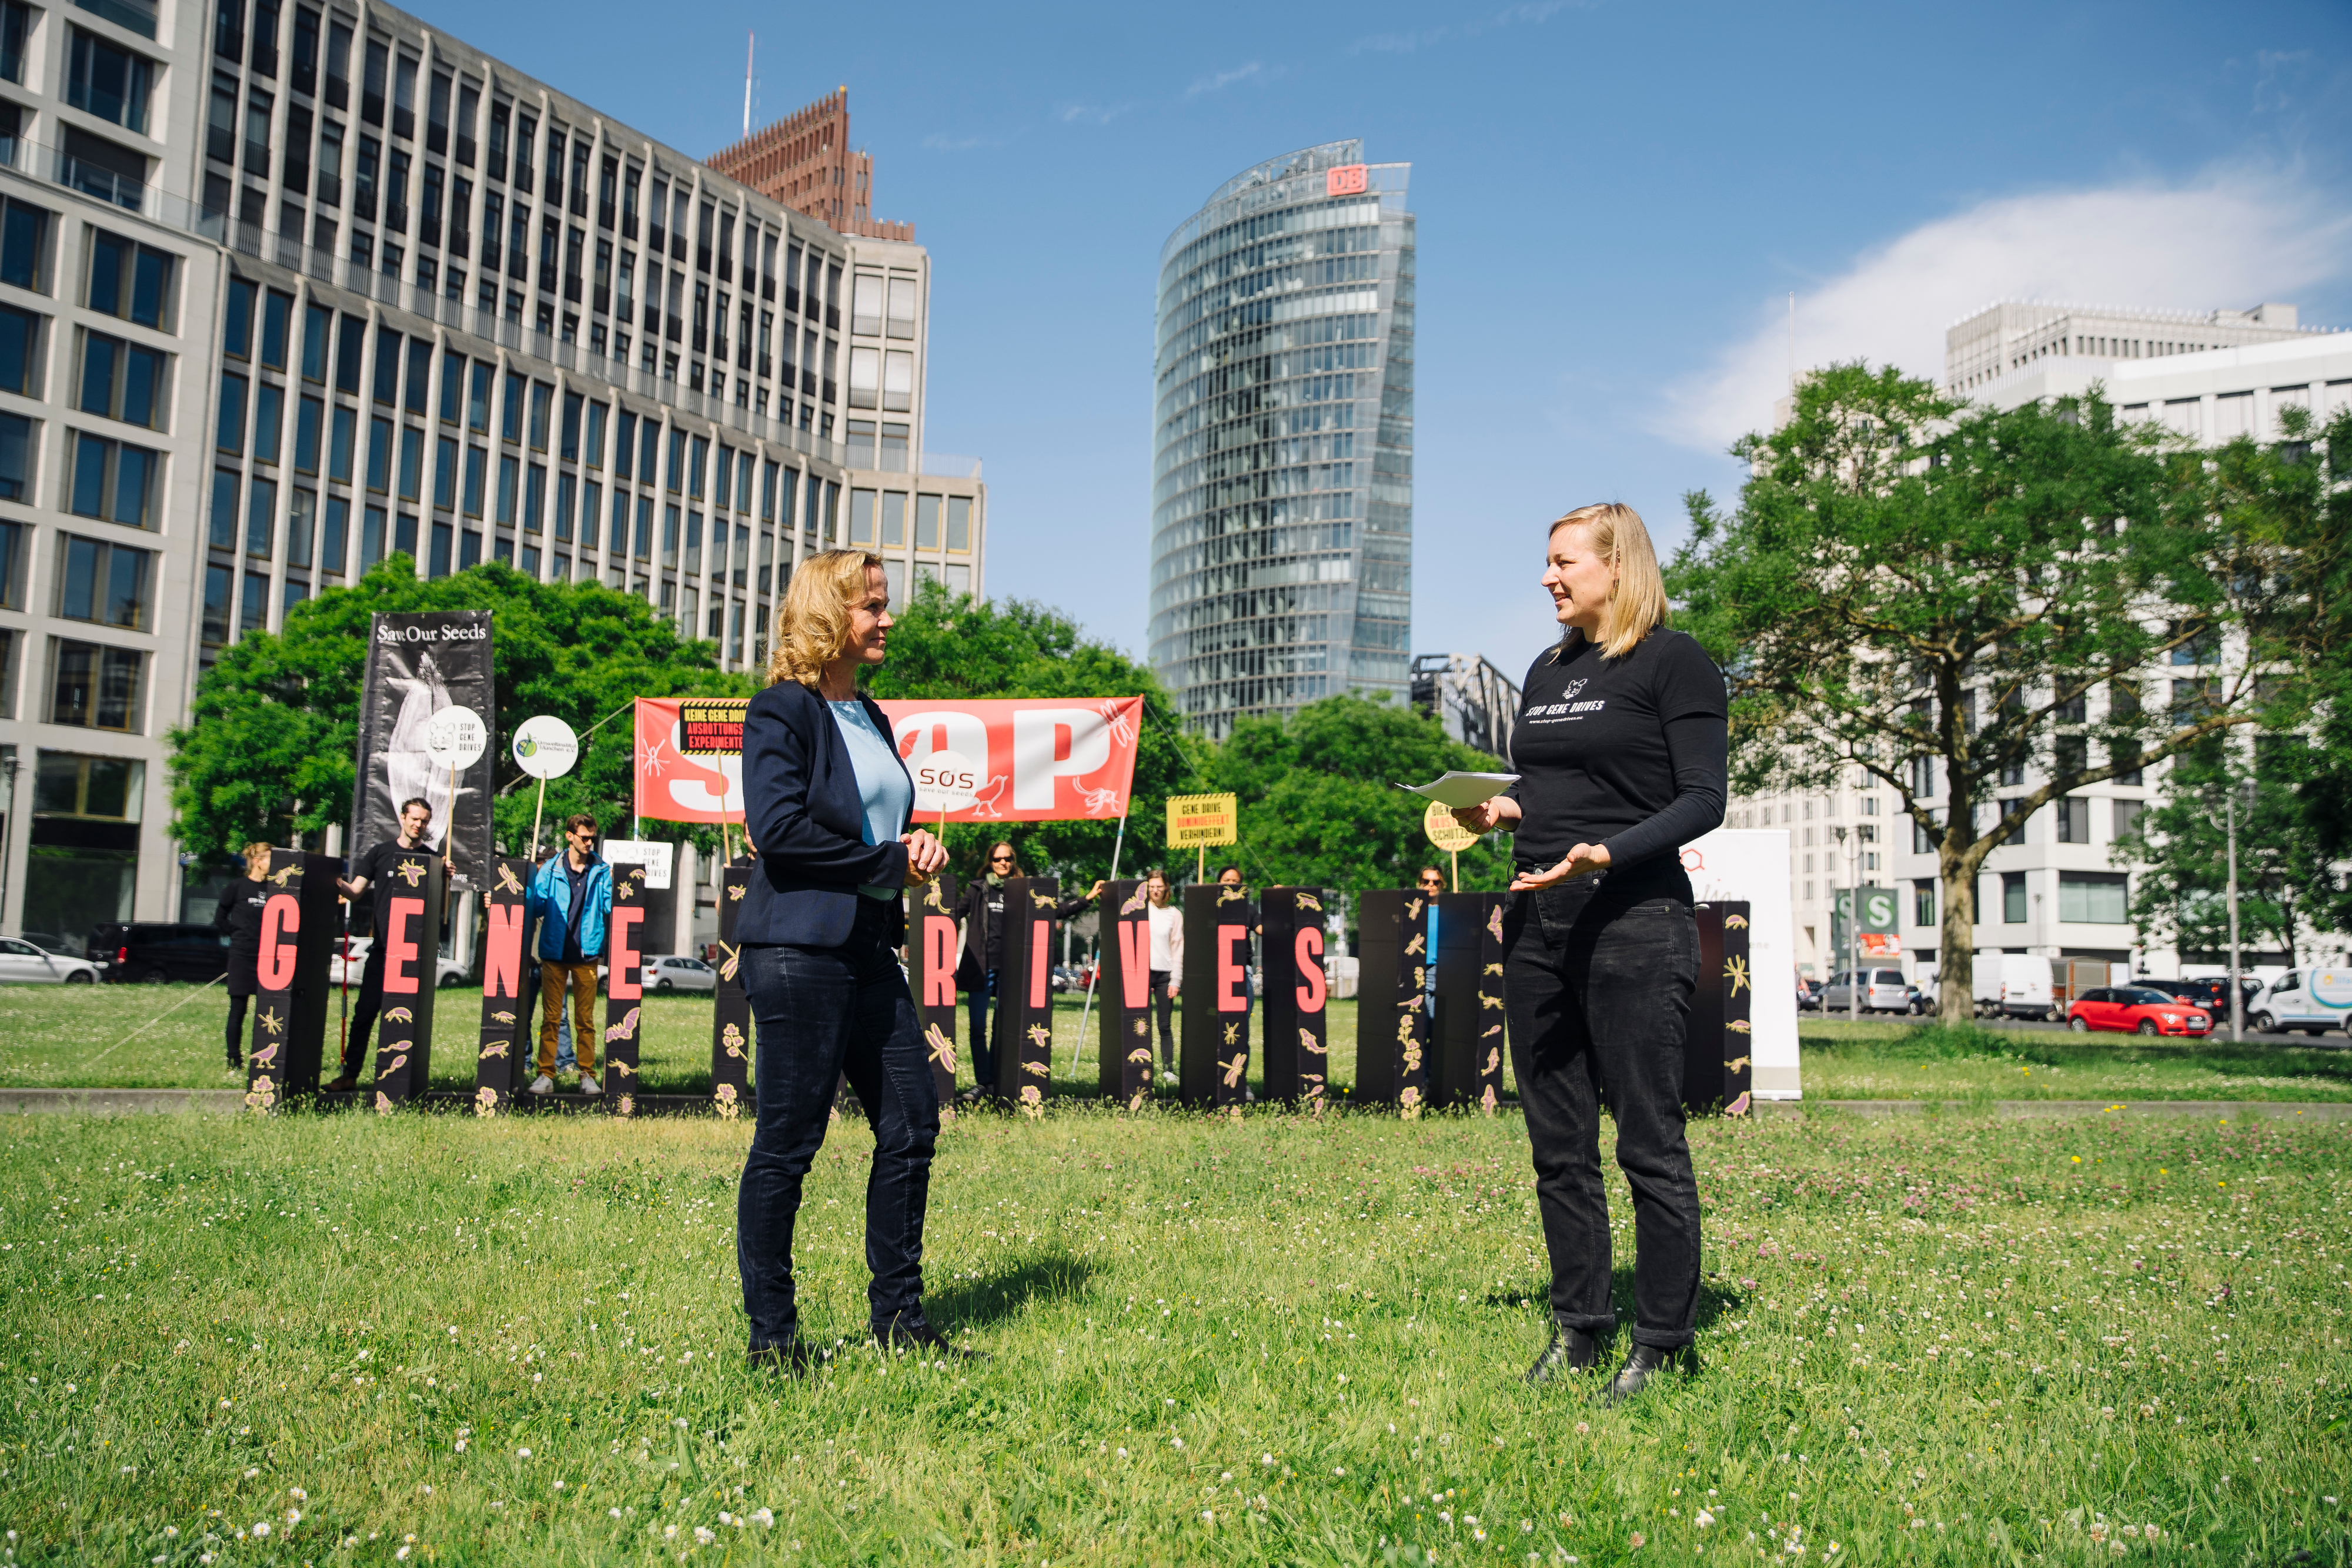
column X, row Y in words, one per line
column 1806, row 1016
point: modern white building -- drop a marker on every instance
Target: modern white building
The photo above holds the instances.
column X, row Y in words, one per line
column 2004, row 339
column 287, row 286
column 2057, row 891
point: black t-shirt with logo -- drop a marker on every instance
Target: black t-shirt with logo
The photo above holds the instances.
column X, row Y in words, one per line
column 377, row 866
column 1629, row 753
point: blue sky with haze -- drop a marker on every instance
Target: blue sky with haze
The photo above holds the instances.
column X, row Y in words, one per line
column 1615, row 201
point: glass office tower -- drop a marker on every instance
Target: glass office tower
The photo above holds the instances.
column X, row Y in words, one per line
column 1282, row 483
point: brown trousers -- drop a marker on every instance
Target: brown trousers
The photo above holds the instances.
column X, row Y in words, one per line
column 553, row 979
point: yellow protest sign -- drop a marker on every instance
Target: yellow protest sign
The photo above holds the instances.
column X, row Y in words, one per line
column 1443, row 832
column 1202, row 821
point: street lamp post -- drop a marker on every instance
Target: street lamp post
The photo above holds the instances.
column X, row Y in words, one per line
column 1852, row 854
column 2237, row 997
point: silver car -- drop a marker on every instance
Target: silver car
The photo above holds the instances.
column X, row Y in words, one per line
column 22, row 961
column 446, row 971
column 675, row 972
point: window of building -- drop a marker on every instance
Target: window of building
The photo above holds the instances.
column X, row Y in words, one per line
column 114, row 480
column 902, row 308
column 2127, row 818
column 2073, row 820
column 220, row 586
column 261, row 520
column 132, row 281
column 84, row 862
column 16, row 24
column 2094, row 897
column 865, row 378
column 106, row 584
column 301, row 526
column 94, row 686
column 20, row 351
column 24, row 232
column 898, row 381
column 862, row 511
column 125, row 381
column 1923, row 901
column 959, row 524
column 105, row 79
column 2012, row 898
column 866, row 306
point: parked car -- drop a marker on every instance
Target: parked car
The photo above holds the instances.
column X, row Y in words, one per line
column 2311, row 1000
column 676, row 972
column 2136, row 1010
column 153, row 952
column 2015, row 984
column 27, row 964
column 2212, row 993
column 446, row 971
column 1882, row 991
column 1809, row 994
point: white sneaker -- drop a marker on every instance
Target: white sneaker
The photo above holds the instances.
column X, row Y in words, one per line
column 588, row 1085
column 542, row 1084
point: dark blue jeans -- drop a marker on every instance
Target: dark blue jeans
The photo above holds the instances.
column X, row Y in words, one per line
column 1597, row 988
column 821, row 1012
column 978, row 1002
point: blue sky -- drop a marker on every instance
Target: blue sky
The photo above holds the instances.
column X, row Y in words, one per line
column 1615, row 201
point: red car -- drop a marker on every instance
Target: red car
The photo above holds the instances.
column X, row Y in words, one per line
column 2135, row 1009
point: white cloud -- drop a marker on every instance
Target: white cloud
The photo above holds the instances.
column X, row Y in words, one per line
column 2228, row 240
column 1220, row 81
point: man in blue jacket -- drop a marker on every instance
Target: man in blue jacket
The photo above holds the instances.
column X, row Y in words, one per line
column 571, row 896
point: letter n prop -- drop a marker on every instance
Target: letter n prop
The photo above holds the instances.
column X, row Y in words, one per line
column 624, row 975
column 931, row 944
column 408, row 923
column 506, row 1012
column 1024, row 994
column 1123, row 991
column 1296, row 1046
column 298, row 929
column 1391, row 1011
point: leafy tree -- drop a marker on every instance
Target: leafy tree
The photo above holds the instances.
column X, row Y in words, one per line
column 268, row 750
column 1319, row 802
column 2299, row 492
column 956, row 647
column 1957, row 601
column 2285, row 876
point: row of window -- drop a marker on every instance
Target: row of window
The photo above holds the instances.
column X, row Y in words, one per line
column 87, row 685
column 96, row 581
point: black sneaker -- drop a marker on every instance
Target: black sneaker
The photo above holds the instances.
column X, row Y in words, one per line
column 911, row 1334
column 791, row 1358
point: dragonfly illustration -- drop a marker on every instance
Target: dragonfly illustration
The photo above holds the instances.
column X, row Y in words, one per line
column 1115, row 710
column 942, row 1048
column 507, row 878
column 1234, row 1071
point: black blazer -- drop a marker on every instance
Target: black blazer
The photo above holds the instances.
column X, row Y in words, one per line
column 802, row 809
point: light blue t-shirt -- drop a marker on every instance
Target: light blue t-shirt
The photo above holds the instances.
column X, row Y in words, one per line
column 882, row 786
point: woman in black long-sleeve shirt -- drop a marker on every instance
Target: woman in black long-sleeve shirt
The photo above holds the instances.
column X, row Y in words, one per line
column 1621, row 745
column 237, row 916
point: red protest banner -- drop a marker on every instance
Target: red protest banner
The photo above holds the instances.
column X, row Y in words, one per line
column 1041, row 758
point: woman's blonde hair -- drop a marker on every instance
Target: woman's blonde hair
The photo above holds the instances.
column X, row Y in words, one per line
column 813, row 623
column 257, row 861
column 1637, row 598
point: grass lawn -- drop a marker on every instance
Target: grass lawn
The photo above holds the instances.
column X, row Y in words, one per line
column 1873, row 1059
column 1274, row 1340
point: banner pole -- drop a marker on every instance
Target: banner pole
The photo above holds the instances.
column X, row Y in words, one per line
column 1457, row 856
column 1086, row 1015
column 537, row 814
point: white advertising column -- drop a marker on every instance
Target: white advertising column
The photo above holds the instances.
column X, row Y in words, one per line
column 1753, row 865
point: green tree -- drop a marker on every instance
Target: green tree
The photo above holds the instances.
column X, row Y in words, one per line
column 1319, row 802
column 2285, row 875
column 953, row 646
column 267, row 751
column 1982, row 610
column 2299, row 492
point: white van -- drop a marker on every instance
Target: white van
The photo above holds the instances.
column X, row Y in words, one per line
column 2014, row 985
column 2313, row 1000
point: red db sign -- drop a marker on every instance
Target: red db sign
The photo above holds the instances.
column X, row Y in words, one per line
column 1348, row 180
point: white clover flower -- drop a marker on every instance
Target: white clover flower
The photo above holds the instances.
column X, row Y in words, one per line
column 260, row 1528
column 764, row 1517
column 702, row 1536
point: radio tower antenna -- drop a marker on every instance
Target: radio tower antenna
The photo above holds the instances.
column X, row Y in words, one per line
column 750, row 44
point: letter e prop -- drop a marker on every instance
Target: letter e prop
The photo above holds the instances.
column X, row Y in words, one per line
column 280, row 919
column 1311, row 968
column 400, row 946
column 1229, row 969
column 1135, row 961
column 502, row 952
column 938, row 961
column 621, row 981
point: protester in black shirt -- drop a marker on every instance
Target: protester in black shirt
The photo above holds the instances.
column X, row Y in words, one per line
column 1619, row 744
column 237, row 916
column 983, row 914
column 367, row 873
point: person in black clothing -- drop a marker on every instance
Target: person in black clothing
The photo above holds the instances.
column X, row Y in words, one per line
column 371, row 868
column 237, row 916
column 1620, row 744
column 983, row 914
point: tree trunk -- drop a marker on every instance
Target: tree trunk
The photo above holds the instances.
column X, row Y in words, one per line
column 1956, row 954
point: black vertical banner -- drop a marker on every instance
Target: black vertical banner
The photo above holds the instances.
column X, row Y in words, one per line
column 1392, row 998
column 298, row 933
column 1703, row 1041
column 932, row 949
column 1123, row 992
column 1024, row 993
column 506, row 1012
column 1213, row 1037
column 731, row 1009
column 624, row 989
column 1739, row 1010
column 1296, row 1048
column 419, row 664
column 1468, row 1065
column 408, row 910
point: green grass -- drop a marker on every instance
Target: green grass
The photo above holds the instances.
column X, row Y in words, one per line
column 1262, row 1340
column 1891, row 1061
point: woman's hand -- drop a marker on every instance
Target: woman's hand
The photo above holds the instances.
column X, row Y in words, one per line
column 1499, row 811
column 1175, row 987
column 1582, row 860
column 1100, row 883
column 925, row 856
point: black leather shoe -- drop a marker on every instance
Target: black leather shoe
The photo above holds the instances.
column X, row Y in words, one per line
column 1571, row 1350
column 911, row 1334
column 346, row 1084
column 791, row 1358
column 1644, row 1364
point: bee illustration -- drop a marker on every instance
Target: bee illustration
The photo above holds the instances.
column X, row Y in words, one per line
column 735, row 893
column 625, row 1030
column 504, row 1017
column 492, row 1050
column 284, row 876
column 507, row 878
column 730, row 1040
column 1234, row 1071
column 1309, row 900
column 1233, row 1034
column 410, row 872
column 486, row 1099
column 400, row 1015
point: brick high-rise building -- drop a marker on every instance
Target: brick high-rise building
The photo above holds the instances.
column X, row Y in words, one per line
column 803, row 162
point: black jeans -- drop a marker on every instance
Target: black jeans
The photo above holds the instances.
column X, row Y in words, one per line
column 237, row 1002
column 1163, row 1006
column 820, row 1012
column 364, row 1007
column 1598, row 986
column 978, row 1002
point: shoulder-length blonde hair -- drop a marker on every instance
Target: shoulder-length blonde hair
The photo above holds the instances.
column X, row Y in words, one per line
column 1637, row 598
column 813, row 622
column 257, row 861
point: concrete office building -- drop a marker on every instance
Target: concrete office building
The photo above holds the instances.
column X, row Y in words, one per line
column 2009, row 337
column 286, row 287
column 1282, row 482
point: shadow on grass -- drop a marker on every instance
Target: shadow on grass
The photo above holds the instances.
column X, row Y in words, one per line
column 1713, row 1301
column 1002, row 1292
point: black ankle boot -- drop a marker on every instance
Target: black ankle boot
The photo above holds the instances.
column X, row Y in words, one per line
column 791, row 1358
column 1643, row 1364
column 911, row 1334
column 1571, row 1350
